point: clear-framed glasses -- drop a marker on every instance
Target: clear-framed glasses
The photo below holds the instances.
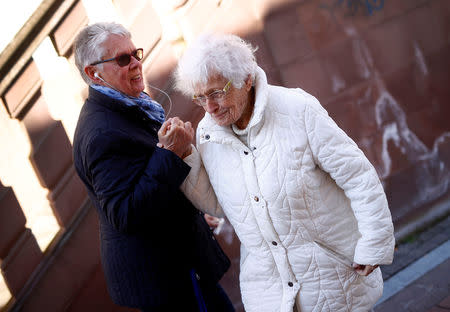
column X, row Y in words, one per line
column 124, row 59
column 216, row 95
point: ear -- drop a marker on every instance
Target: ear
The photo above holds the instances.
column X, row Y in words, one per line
column 248, row 83
column 90, row 71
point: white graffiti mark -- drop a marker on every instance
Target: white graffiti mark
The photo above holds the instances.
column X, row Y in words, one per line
column 431, row 168
column 337, row 83
column 420, row 60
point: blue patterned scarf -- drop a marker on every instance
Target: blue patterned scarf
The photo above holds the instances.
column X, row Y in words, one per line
column 151, row 108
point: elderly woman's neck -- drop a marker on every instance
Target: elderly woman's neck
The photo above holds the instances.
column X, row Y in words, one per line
column 242, row 123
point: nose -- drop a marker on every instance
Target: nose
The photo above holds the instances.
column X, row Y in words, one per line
column 134, row 62
column 211, row 106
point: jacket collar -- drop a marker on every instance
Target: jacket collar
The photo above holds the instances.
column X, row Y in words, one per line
column 210, row 131
column 96, row 98
column 106, row 101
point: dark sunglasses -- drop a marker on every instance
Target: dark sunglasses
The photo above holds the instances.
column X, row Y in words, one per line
column 124, row 59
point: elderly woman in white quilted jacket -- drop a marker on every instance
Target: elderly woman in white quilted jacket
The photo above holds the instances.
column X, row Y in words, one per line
column 306, row 204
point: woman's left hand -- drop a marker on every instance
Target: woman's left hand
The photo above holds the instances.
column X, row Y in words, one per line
column 364, row 269
column 177, row 136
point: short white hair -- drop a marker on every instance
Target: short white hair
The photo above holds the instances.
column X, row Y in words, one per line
column 211, row 55
column 88, row 44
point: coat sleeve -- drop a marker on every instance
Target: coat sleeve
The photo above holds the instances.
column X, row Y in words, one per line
column 339, row 156
column 198, row 188
column 131, row 184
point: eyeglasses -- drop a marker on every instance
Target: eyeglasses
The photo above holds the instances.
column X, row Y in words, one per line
column 124, row 59
column 216, row 95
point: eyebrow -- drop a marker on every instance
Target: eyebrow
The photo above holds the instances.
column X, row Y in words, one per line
column 117, row 52
column 209, row 91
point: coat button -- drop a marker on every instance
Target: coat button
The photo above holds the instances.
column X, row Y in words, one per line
column 245, row 152
column 290, row 284
column 207, row 137
column 256, row 198
column 274, row 243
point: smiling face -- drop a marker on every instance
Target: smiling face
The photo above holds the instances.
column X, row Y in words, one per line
column 235, row 107
column 127, row 79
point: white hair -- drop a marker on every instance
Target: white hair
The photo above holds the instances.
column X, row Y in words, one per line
column 88, row 44
column 212, row 55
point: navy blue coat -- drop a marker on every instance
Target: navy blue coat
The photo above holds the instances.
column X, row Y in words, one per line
column 150, row 234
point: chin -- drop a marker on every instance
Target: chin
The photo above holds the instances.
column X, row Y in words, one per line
column 137, row 92
column 223, row 123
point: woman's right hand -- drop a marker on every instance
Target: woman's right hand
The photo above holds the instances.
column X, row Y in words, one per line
column 176, row 136
column 364, row 269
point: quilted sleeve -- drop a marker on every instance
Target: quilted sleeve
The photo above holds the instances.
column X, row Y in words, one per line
column 197, row 188
column 337, row 154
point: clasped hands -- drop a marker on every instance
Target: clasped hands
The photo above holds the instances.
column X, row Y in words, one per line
column 176, row 136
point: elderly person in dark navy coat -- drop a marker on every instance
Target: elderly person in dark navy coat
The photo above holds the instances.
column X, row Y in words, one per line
column 157, row 251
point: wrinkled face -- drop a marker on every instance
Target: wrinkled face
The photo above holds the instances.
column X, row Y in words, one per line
column 231, row 107
column 127, row 79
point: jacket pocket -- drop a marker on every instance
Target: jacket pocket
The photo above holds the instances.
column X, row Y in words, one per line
column 333, row 254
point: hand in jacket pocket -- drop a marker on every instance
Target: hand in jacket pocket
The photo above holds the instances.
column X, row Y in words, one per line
column 364, row 270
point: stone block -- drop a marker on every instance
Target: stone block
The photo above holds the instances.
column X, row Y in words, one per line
column 23, row 89
column 12, row 220
column 308, row 75
column 390, row 46
column 441, row 10
column 94, row 296
column 67, row 197
column 389, row 154
column 346, row 63
column 37, row 121
column 65, row 33
column 426, row 29
column 21, row 261
column 411, row 190
column 286, row 37
column 402, row 40
column 423, row 126
column 410, row 87
column 159, row 71
column 438, row 96
column 267, row 7
column 322, row 26
column 70, row 268
column 146, row 28
column 53, row 156
column 197, row 16
column 264, row 57
column 239, row 19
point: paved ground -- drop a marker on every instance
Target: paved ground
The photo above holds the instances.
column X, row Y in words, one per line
column 419, row 278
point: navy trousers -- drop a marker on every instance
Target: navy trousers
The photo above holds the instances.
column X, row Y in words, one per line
column 215, row 298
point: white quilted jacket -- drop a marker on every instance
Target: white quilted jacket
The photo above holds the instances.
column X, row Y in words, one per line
column 304, row 201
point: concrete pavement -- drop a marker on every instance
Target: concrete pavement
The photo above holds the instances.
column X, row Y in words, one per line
column 419, row 278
